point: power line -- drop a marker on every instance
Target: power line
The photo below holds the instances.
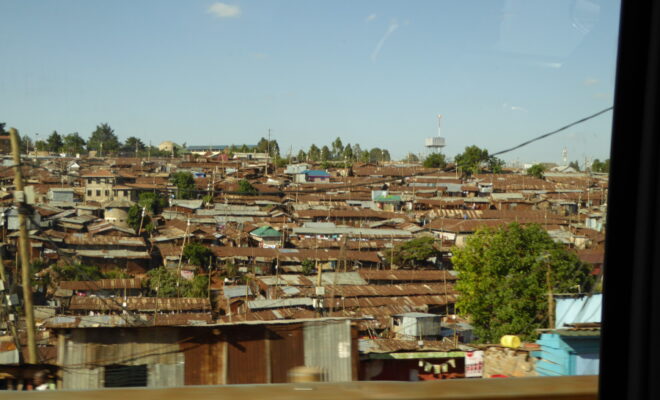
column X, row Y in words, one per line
column 563, row 128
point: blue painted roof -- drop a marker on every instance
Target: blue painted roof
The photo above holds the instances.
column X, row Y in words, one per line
column 578, row 309
column 316, row 172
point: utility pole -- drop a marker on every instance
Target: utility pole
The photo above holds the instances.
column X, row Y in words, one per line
column 268, row 154
column 19, row 198
column 144, row 209
column 551, row 298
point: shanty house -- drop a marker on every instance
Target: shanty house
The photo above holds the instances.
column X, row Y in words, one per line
column 267, row 237
column 111, row 351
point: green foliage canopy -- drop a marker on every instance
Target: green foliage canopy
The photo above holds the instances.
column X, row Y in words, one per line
column 434, row 160
column 73, row 143
column 536, row 171
column 103, row 140
column 197, row 254
column 185, row 184
column 600, row 166
column 414, row 252
column 503, row 275
column 162, row 282
column 153, row 202
column 54, row 142
column 245, row 187
column 471, row 159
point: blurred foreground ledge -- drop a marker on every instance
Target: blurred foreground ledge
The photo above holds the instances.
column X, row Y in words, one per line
column 569, row 387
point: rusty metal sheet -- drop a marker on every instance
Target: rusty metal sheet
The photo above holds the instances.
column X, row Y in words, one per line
column 246, row 355
column 204, row 356
column 286, row 350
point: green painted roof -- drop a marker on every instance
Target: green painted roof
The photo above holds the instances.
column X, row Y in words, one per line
column 388, row 199
column 265, row 231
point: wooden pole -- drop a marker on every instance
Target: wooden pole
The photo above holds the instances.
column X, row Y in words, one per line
column 551, row 298
column 19, row 198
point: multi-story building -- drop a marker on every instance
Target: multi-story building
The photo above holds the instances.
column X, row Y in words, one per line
column 103, row 186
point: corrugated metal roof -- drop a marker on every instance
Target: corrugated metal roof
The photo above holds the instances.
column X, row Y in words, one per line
column 102, row 284
column 342, row 278
column 231, row 292
column 579, row 309
column 113, row 254
column 408, row 275
column 139, row 303
column 394, row 345
column 279, row 303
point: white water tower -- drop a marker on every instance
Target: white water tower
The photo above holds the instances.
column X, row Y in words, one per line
column 434, row 144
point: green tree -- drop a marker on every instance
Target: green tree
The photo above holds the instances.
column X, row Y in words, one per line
column 55, row 142
column 471, row 160
column 307, row 267
column 185, row 184
column 357, row 151
column 162, row 283
column 337, row 149
column 575, row 165
column 78, row 272
column 325, row 153
column 198, row 287
column 411, row 158
column 495, row 165
column 314, row 153
column 386, row 155
column 207, row 199
column 2, row 128
column 435, row 160
column 73, row 143
column 26, row 143
column 116, row 273
column 41, row 145
column 153, row 202
column 197, row 254
column 365, row 156
column 135, row 218
column 375, row 155
column 264, row 146
column 600, row 166
column 348, row 152
column 301, row 156
column 103, row 140
column 504, row 275
column 281, row 162
column 245, row 187
column 133, row 144
column 536, row 171
column 415, row 251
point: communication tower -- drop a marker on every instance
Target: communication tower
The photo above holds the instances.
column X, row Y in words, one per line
column 434, row 144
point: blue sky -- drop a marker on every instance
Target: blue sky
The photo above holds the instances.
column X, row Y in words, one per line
column 371, row 72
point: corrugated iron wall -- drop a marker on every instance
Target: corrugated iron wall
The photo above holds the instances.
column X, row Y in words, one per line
column 328, row 345
column 286, row 350
column 89, row 350
column 246, row 355
column 204, row 352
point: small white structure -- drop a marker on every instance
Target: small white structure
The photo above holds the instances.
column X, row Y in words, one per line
column 117, row 216
column 435, row 144
column 417, row 325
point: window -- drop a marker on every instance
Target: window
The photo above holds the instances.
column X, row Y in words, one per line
column 98, row 193
column 125, row 375
column 107, row 193
column 89, row 193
